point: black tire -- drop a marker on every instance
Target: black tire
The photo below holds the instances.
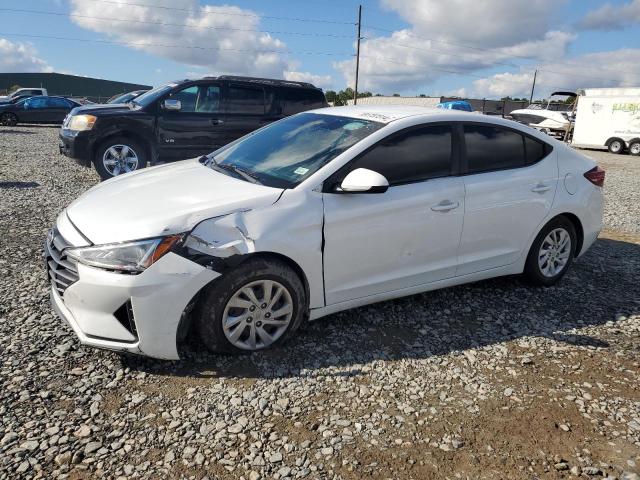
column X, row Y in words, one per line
column 634, row 147
column 532, row 270
column 8, row 119
column 209, row 315
column 137, row 147
column 615, row 145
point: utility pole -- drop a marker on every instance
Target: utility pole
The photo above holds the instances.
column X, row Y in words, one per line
column 355, row 94
column 533, row 87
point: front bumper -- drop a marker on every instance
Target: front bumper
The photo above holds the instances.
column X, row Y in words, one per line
column 77, row 145
column 153, row 301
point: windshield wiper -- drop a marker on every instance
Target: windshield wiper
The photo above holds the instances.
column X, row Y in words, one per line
column 249, row 176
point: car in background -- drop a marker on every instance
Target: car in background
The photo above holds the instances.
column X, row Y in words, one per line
column 180, row 120
column 40, row 109
column 461, row 105
column 24, row 92
column 126, row 97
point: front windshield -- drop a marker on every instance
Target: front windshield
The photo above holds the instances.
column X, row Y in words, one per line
column 123, row 98
column 152, row 95
column 286, row 152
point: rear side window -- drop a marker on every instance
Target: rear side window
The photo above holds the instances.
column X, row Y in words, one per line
column 493, row 148
column 535, row 150
column 295, row 100
column 58, row 103
column 410, row 156
column 248, row 100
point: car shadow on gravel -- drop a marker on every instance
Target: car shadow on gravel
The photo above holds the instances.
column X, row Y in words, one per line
column 17, row 132
column 601, row 287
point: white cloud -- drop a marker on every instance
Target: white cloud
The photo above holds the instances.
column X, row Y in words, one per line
column 20, row 57
column 487, row 23
column 612, row 17
column 619, row 68
column 220, row 38
column 322, row 81
column 455, row 37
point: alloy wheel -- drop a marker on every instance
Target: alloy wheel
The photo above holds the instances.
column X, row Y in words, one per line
column 7, row 119
column 257, row 315
column 119, row 159
column 554, row 252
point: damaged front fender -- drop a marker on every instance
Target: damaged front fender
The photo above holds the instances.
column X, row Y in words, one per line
column 221, row 237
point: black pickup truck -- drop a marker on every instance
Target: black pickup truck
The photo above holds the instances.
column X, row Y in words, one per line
column 179, row 120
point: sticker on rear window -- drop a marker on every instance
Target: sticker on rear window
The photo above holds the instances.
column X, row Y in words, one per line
column 300, row 171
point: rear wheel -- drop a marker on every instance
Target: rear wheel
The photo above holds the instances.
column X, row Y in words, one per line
column 8, row 119
column 634, row 147
column 615, row 145
column 119, row 155
column 552, row 253
column 256, row 306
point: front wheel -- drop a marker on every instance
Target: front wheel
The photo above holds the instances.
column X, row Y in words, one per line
column 119, row 155
column 255, row 306
column 8, row 119
column 552, row 253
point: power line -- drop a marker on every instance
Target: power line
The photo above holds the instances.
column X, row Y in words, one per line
column 255, row 15
column 73, row 15
column 193, row 47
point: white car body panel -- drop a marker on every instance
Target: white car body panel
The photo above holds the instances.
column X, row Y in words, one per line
column 394, row 240
column 352, row 249
column 502, row 210
column 162, row 200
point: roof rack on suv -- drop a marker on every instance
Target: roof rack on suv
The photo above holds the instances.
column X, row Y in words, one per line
column 268, row 81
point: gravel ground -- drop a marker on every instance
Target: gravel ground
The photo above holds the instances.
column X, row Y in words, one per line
column 490, row 380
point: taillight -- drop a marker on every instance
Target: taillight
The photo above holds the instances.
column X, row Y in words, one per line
column 595, row 176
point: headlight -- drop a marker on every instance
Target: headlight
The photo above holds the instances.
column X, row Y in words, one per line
column 128, row 257
column 81, row 122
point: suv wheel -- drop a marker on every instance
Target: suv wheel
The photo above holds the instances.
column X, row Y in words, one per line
column 119, row 155
column 552, row 253
column 255, row 306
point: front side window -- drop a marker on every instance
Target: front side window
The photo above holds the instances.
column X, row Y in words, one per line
column 198, row 99
column 493, row 148
column 248, row 100
column 287, row 152
column 413, row 155
column 36, row 103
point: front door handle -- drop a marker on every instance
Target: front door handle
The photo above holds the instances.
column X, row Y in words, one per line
column 216, row 121
column 541, row 188
column 445, row 206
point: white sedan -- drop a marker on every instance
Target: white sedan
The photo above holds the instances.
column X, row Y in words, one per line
column 317, row 213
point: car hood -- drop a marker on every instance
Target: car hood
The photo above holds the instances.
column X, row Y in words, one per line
column 97, row 108
column 162, row 200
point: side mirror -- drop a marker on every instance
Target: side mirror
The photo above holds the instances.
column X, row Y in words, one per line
column 172, row 105
column 363, row 180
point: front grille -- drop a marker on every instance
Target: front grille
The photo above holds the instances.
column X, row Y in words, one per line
column 63, row 270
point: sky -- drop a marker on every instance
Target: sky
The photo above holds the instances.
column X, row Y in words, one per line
column 473, row 48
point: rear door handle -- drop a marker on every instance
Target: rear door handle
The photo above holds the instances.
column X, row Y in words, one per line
column 541, row 188
column 216, row 121
column 445, row 206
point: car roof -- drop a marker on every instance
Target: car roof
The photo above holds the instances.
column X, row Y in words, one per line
column 391, row 113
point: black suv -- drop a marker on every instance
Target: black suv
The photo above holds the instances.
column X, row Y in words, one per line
column 179, row 120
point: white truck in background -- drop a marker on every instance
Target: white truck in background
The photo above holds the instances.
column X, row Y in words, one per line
column 608, row 118
column 24, row 92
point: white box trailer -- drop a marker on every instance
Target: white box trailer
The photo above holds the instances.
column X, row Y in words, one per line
column 608, row 118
